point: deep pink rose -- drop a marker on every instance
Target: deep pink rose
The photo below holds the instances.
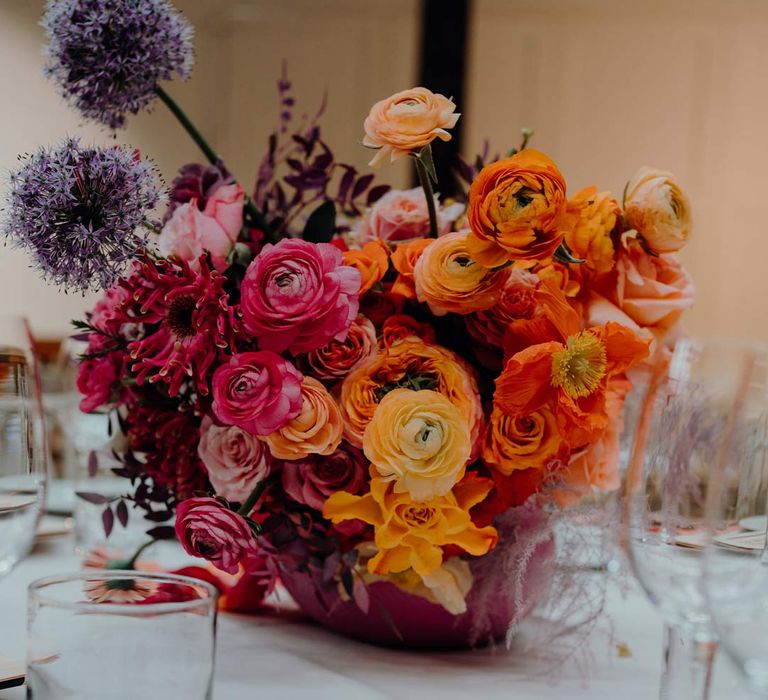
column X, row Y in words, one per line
column 97, row 378
column 402, row 215
column 335, row 360
column 298, row 296
column 235, row 460
column 207, row 529
column 190, row 232
column 311, row 481
column 257, row 391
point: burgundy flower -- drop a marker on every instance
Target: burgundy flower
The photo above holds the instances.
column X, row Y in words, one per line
column 257, row 391
column 208, row 529
column 311, row 481
column 97, row 379
column 196, row 181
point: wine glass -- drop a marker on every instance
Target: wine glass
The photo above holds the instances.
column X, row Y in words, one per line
column 694, row 404
column 23, row 443
column 735, row 573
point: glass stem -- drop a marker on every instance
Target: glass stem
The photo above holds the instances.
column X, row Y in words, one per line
column 257, row 218
column 687, row 665
column 426, row 185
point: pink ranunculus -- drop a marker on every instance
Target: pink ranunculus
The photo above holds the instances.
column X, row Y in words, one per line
column 402, row 215
column 257, row 391
column 207, row 528
column 298, row 296
column 335, row 360
column 235, row 460
column 97, row 378
column 190, row 232
column 311, row 481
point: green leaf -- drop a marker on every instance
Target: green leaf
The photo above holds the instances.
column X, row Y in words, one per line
column 425, row 156
column 321, row 224
column 564, row 255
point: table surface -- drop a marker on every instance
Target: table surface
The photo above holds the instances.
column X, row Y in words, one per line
column 294, row 658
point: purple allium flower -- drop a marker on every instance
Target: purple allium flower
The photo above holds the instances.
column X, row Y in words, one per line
column 78, row 211
column 107, row 56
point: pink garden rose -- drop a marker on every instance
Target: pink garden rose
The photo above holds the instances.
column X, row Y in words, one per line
column 208, row 529
column 257, row 391
column 401, row 216
column 190, row 232
column 312, row 480
column 334, row 360
column 298, row 296
column 235, row 459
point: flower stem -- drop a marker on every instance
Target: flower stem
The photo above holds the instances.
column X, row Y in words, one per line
column 257, row 218
column 255, row 495
column 137, row 554
column 426, row 185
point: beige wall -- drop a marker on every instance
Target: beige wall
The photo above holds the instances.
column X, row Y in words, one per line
column 608, row 85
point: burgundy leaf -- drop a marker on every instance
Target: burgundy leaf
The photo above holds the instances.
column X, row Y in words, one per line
column 296, row 165
column 376, row 193
column 108, row 521
column 93, row 462
column 162, row 532
column 360, row 596
column 95, row 498
column 362, row 185
column 158, row 516
column 346, row 182
column 121, row 511
column 322, row 161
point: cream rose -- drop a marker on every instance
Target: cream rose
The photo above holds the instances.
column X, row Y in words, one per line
column 419, row 440
column 658, row 209
column 406, row 122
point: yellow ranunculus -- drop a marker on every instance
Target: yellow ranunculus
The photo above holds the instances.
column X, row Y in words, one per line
column 410, row 534
column 419, row 440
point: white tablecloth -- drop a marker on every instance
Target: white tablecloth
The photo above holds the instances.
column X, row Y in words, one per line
column 287, row 658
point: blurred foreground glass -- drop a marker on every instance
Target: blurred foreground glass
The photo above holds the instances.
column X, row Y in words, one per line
column 102, row 635
column 697, row 400
column 23, row 447
column 735, row 580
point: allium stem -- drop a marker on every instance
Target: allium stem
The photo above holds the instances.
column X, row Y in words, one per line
column 257, row 218
column 429, row 194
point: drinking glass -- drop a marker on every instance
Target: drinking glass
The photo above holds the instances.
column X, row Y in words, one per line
column 23, row 444
column 105, row 635
column 695, row 402
column 735, row 574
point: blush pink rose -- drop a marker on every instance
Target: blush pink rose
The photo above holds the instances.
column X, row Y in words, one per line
column 401, row 216
column 335, row 360
column 191, row 232
column 298, row 296
column 235, row 460
column 257, row 391
column 207, row 529
column 311, row 481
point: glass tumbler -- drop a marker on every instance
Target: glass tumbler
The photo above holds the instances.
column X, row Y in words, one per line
column 104, row 635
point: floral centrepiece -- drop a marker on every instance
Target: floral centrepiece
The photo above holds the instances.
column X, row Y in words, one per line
column 323, row 377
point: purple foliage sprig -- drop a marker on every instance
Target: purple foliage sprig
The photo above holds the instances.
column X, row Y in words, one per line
column 299, row 171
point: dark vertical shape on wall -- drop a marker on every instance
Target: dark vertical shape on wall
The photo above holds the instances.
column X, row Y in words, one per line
column 444, row 39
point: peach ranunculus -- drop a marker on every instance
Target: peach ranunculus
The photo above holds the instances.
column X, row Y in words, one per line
column 401, row 216
column 402, row 326
column 411, row 535
column 190, row 232
column 334, row 361
column 658, row 209
column 420, row 441
column 406, row 122
column 408, row 364
column 316, row 430
column 521, row 442
column 517, row 210
column 404, row 260
column 372, row 261
column 595, row 217
column 448, row 279
column 651, row 291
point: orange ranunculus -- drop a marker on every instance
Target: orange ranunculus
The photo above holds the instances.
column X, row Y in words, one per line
column 406, row 122
column 508, row 492
column 333, row 361
column 517, row 210
column 410, row 534
column 521, row 442
column 420, row 441
column 448, row 279
column 410, row 364
column 404, row 260
column 595, row 217
column 372, row 260
column 573, row 376
column 658, row 209
column 402, row 326
column 651, row 291
column 316, row 430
